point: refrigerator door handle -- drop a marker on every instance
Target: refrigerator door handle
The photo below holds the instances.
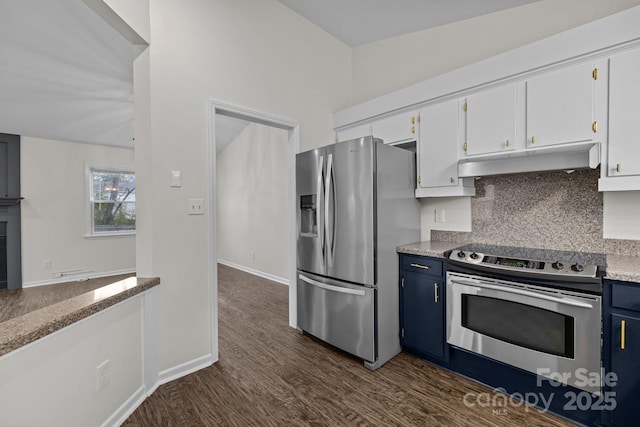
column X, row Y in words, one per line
column 329, row 218
column 321, row 213
column 331, row 287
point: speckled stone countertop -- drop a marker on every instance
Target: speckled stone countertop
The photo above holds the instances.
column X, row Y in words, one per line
column 23, row 329
column 618, row 267
column 623, row 267
column 428, row 248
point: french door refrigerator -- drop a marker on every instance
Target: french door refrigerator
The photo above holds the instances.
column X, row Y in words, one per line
column 355, row 205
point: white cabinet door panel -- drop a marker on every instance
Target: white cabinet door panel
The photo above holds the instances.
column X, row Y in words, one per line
column 437, row 149
column 491, row 120
column 560, row 106
column 624, row 114
column 400, row 128
column 354, row 132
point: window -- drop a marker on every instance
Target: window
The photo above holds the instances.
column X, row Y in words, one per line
column 112, row 198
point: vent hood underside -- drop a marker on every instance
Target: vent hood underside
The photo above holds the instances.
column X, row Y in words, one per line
column 574, row 156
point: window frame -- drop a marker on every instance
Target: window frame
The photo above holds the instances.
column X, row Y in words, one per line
column 89, row 211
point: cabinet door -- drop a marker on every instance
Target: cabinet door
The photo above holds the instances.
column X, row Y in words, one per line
column 624, row 114
column 353, row 133
column 625, row 354
column 422, row 308
column 400, row 128
column 491, row 120
column 560, row 106
column 437, row 146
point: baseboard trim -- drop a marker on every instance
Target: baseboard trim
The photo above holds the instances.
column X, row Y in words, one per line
column 77, row 277
column 183, row 369
column 126, row 409
column 258, row 273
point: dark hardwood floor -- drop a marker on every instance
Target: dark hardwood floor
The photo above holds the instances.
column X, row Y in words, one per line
column 272, row 375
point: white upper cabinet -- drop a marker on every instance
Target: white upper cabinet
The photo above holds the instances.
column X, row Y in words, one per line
column 624, row 115
column 396, row 129
column 491, row 120
column 437, row 152
column 559, row 106
column 353, row 132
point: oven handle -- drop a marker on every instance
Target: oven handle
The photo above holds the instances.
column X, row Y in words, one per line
column 478, row 284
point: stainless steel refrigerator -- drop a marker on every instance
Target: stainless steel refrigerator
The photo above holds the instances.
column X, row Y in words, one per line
column 356, row 204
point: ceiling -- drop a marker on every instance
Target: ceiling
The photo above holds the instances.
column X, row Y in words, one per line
column 64, row 74
column 227, row 129
column 357, row 22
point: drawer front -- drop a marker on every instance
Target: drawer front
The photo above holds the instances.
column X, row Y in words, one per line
column 625, row 296
column 422, row 265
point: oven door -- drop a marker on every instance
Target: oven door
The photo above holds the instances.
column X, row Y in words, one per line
column 541, row 330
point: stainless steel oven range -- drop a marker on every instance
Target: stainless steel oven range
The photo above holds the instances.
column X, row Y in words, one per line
column 534, row 309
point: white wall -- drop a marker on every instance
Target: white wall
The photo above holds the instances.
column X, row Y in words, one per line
column 54, row 224
column 388, row 65
column 621, row 212
column 230, row 51
column 52, row 382
column 457, row 215
column 252, row 216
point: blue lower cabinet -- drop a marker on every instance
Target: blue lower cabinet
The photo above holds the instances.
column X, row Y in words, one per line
column 422, row 321
column 625, row 360
column 622, row 351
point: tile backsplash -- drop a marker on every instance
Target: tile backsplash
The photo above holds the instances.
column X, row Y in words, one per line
column 550, row 210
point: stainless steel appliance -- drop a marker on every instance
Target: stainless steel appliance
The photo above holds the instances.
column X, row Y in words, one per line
column 537, row 310
column 355, row 205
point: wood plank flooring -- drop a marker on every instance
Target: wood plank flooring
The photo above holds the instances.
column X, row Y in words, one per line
column 272, row 375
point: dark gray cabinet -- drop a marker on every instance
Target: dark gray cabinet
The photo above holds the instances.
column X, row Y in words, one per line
column 422, row 299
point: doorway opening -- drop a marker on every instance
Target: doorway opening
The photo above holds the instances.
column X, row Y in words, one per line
column 10, row 234
column 224, row 111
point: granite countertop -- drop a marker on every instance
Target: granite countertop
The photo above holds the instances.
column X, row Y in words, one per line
column 618, row 267
column 428, row 248
column 35, row 315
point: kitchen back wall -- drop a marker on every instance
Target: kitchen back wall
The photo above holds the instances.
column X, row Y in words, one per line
column 551, row 210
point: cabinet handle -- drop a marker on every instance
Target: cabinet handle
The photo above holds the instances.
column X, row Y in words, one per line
column 424, row 267
column 435, row 292
column 594, row 127
column 533, row 140
column 413, row 120
column 413, row 129
column 506, row 144
column 451, row 180
column 465, row 147
column 617, row 167
column 623, row 325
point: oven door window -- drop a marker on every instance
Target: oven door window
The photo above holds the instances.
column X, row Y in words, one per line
column 519, row 324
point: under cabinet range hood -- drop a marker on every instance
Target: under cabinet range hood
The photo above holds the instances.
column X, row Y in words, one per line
column 574, row 156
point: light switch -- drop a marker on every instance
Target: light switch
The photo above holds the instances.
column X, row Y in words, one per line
column 439, row 215
column 196, row 207
column 176, row 179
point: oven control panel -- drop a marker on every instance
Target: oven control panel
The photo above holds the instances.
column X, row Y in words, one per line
column 552, row 267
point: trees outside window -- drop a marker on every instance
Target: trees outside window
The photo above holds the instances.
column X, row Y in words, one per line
column 113, row 201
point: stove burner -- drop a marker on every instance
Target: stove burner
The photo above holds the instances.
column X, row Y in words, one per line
column 577, row 267
column 557, row 265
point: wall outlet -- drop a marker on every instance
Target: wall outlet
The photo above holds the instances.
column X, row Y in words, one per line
column 196, row 206
column 103, row 374
column 439, row 213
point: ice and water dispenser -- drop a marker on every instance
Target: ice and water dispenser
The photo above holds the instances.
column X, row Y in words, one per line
column 308, row 215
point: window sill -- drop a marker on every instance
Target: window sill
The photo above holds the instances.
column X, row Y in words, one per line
column 107, row 235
